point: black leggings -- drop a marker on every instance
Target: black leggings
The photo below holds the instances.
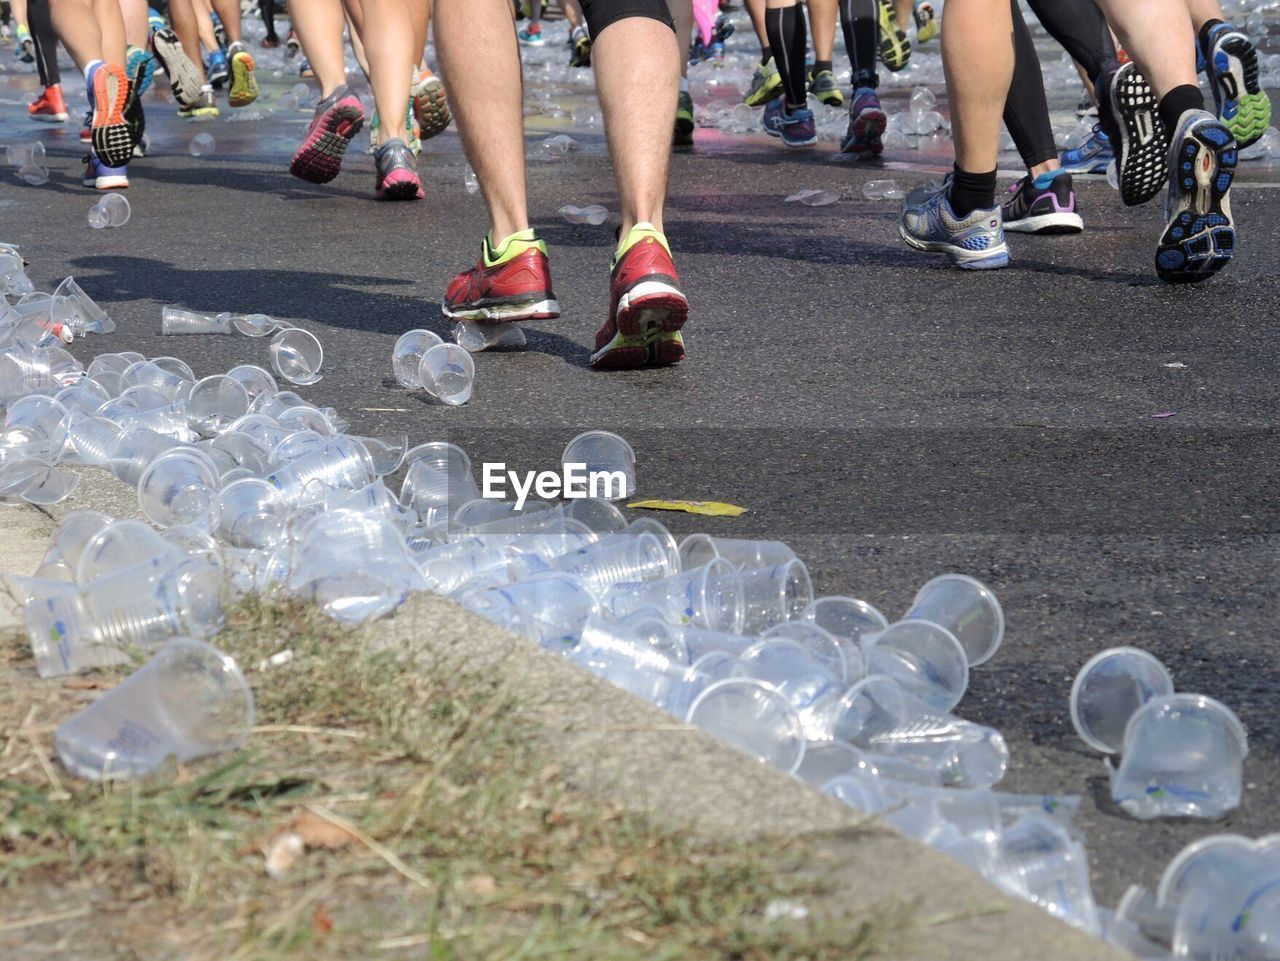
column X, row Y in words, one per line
column 1026, row 111
column 600, row 13
column 269, row 18
column 861, row 26
column 1082, row 29
column 45, row 41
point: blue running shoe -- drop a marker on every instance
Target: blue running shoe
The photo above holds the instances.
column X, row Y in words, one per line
column 155, row 21
column 1200, row 236
column 796, row 128
column 140, row 65
column 217, row 70
column 101, row 177
column 975, row 242
column 1239, row 100
column 1093, row 156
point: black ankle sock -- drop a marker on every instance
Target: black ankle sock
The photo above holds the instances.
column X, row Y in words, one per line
column 765, row 54
column 970, row 192
column 821, row 65
column 1177, row 102
column 1203, row 35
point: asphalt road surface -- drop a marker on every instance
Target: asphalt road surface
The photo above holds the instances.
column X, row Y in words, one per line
column 1099, row 448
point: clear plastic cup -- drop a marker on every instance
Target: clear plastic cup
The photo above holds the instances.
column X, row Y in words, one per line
column 926, row 660
column 754, row 718
column 175, row 321
column 86, row 397
column 406, row 356
column 807, row 681
column 702, row 641
column 135, row 449
column 448, row 374
column 699, row 549
column 475, row 337
column 709, row 596
column 251, row 514
column 297, row 356
column 607, row 455
column 111, row 211
column 597, row 513
column 438, row 481
column 67, row 543
column 35, row 481
column 141, row 606
column 846, row 617
column 827, row 760
column 187, row 702
column 120, row 544
column 36, row 370
column 342, row 463
column 255, row 380
column 774, row 594
column 180, row 487
column 1183, row 757
column 548, row 608
column 201, row 145
column 1240, row 920
column 240, row 450
column 643, row 657
column 1037, row 859
column 647, row 525
column 448, row 567
column 839, row 655
column 22, row 154
column 965, row 607
column 1109, row 689
column 621, row 558
column 149, row 373
column 215, row 403
column 35, row 426
column 860, row 790
column 76, row 310
column 257, row 325
column 387, row 452
column 1204, row 866
column 1153, row 922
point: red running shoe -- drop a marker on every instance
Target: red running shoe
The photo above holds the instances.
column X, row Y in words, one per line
column 513, row 283
column 338, row 119
column 49, row 107
column 647, row 307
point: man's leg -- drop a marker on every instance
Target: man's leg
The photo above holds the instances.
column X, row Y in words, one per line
column 789, row 117
column 86, row 37
column 319, row 25
column 682, row 15
column 1231, row 63
column 822, row 18
column 766, row 83
column 867, row 120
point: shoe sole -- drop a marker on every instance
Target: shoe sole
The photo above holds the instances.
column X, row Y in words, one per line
column 1055, row 223
column 108, row 183
column 48, row 117
column 199, row 113
column 184, row 78
column 648, row 320
column 1200, row 237
column 868, row 127
column 1239, row 100
column 772, row 87
column 319, row 159
column 108, row 132
column 895, row 48
column 244, row 85
column 655, row 348
column 546, row 309
column 1142, row 158
column 400, row 184
column 796, row 144
column 431, row 108
column 1092, row 167
column 959, row 256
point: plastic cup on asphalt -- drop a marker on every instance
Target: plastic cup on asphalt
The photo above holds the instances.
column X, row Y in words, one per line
column 180, row 487
column 622, row 558
column 201, row 145
column 187, row 702
column 840, row 655
column 607, row 454
column 1183, row 756
column 1037, row 859
column 1239, row 920
column 845, row 617
column 111, row 211
column 255, row 380
column 709, row 596
column 36, row 481
column 135, row 449
column 754, row 718
column 1205, row 865
column 702, row 641
column 257, row 325
column 406, row 356
column 296, row 355
column 599, row 514
column 965, row 607
column 67, row 543
column 176, row 321
column 1109, row 689
column 77, row 310
column 774, row 594
column 215, row 403
column 342, row 463
column 448, row 374
column 387, row 452
column 926, row 660
column 698, row 549
column 85, row 397
column 474, row 337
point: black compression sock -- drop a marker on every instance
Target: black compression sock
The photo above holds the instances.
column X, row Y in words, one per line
column 766, row 55
column 1203, row 35
column 1177, row 102
column 970, row 192
column 821, row 65
column 787, row 37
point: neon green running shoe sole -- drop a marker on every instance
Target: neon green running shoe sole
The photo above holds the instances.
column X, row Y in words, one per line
column 895, row 48
column 764, row 87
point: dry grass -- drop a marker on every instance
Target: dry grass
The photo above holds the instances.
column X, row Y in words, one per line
column 456, row 840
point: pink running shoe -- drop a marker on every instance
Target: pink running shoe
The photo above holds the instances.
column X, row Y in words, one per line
column 397, row 172
column 338, row 119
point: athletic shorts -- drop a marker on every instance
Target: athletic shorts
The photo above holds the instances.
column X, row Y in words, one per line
column 601, row 13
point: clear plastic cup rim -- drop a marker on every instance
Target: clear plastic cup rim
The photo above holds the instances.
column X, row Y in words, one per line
column 779, row 703
column 1078, row 685
column 603, row 434
column 988, row 592
column 808, row 614
column 791, row 643
column 232, row 670
column 869, row 641
column 1200, row 702
column 1173, row 873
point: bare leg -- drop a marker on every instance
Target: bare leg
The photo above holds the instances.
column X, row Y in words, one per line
column 822, row 14
column 977, row 53
column 755, row 9
column 1202, row 11
column 184, row 19
column 136, row 27
column 682, row 14
column 1167, row 56
column 229, row 14
column 387, row 33
column 111, row 25
column 204, row 25
column 319, row 25
column 902, row 9
column 488, row 103
column 78, row 30
column 18, row 8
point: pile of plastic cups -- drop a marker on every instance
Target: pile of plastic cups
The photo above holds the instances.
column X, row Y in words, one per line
column 248, row 488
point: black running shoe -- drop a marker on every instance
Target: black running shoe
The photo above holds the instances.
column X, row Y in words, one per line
column 1042, row 210
column 1142, row 142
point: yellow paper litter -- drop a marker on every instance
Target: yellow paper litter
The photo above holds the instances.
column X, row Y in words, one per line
column 708, row 508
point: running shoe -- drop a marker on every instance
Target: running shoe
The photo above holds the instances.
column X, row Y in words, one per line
column 270, row 43
column 646, row 306
column 927, row 26
column 49, row 107
column 766, row 84
column 723, row 29
column 184, row 75
column 101, row 177
column 531, row 36
column 430, row 105
column 1231, row 62
column 397, row 172
column 1200, row 236
column 509, row 284
column 867, row 122
column 823, row 86
column 203, row 109
column 244, row 82
column 1042, row 205
column 219, row 31
column 684, row 120
column 140, row 65
column 26, row 46
column 975, row 242
column 581, row 41
column 797, row 128
column 86, row 135
column 1091, row 157
column 1143, row 144
column 291, row 44
column 337, row 120
column 1087, row 107
column 136, row 119
column 154, row 20
column 411, row 138
column 895, row 48
column 216, row 69
column 715, row 52
column 108, row 90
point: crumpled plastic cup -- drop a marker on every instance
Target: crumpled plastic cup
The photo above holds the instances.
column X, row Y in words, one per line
column 296, row 355
column 76, row 310
column 474, row 337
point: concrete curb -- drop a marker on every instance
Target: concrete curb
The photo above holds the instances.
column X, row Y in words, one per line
column 617, row 748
